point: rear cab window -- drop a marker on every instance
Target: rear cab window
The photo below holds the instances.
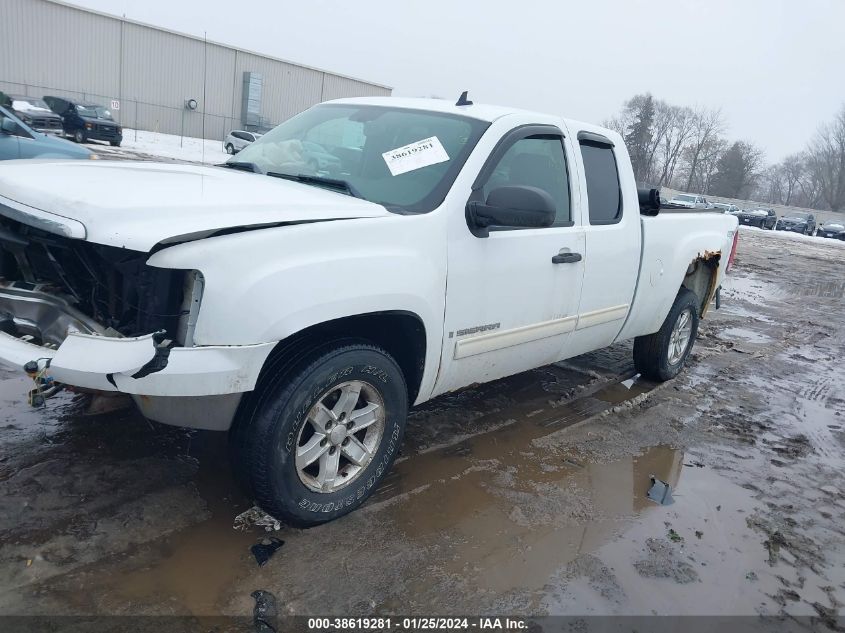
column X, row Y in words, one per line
column 604, row 193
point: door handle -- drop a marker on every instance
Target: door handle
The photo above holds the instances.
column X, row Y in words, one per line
column 566, row 258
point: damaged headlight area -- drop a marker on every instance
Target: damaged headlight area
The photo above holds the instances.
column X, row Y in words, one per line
column 51, row 285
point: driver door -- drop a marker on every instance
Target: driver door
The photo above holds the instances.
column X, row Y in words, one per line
column 512, row 297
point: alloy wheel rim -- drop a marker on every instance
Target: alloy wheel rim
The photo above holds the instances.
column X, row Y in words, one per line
column 340, row 436
column 680, row 337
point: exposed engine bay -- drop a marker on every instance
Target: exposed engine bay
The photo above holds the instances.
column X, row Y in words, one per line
column 51, row 284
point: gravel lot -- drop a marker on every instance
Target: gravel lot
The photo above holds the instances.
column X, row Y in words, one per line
column 524, row 496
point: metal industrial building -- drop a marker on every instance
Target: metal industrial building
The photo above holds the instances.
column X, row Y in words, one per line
column 52, row 48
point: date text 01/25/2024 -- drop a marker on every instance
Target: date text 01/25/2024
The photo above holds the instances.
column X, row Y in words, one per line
column 417, row 624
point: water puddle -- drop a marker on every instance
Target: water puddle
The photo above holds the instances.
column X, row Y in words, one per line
column 505, row 505
column 743, row 334
column 737, row 310
column 506, row 442
column 197, row 566
column 522, row 516
column 749, row 289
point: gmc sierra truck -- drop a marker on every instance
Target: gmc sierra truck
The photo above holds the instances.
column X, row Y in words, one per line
column 304, row 311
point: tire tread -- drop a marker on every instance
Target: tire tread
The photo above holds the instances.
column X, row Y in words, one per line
column 281, row 381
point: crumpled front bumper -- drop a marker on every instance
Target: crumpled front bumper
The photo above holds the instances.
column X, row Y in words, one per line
column 198, row 387
column 111, row 363
column 187, row 386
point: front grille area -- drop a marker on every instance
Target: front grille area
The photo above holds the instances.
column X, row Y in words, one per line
column 112, row 286
column 106, row 131
column 46, row 123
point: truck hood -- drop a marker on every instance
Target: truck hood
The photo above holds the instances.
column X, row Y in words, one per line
column 137, row 205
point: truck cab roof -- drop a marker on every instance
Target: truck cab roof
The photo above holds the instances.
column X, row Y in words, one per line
column 481, row 111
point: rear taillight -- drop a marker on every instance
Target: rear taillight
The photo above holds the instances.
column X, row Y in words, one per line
column 733, row 251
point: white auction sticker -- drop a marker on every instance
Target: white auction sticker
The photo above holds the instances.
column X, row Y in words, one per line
column 417, row 155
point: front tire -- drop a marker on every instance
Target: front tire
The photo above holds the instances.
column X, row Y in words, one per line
column 322, row 432
column 662, row 355
column 79, row 136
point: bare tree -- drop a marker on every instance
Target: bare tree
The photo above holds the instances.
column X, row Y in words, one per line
column 826, row 162
column 618, row 124
column 696, row 173
column 707, row 125
column 792, row 169
column 770, row 186
column 673, row 139
column 684, row 148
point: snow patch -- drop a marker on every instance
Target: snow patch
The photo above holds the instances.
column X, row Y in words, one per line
column 189, row 149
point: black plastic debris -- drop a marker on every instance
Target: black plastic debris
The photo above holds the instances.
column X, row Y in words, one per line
column 264, row 614
column 660, row 492
column 264, row 550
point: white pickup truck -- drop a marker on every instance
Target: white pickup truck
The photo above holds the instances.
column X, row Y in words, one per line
column 305, row 311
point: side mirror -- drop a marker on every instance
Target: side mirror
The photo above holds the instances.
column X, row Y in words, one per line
column 515, row 206
column 8, row 126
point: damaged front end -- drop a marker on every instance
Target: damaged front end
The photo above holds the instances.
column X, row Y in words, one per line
column 100, row 318
column 51, row 285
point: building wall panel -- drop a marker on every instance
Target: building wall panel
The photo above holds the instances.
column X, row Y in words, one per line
column 51, row 46
column 47, row 47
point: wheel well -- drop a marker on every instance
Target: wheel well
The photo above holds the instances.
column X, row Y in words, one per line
column 701, row 278
column 401, row 334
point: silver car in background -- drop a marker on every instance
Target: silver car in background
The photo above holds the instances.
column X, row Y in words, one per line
column 726, row 208
column 236, row 140
column 690, row 201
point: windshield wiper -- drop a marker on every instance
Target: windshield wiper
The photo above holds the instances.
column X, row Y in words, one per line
column 330, row 183
column 242, row 165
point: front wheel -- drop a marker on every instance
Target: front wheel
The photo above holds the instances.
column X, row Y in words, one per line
column 323, row 432
column 79, row 136
column 662, row 355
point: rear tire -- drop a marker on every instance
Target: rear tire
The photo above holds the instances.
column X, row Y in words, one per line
column 114, row 143
column 662, row 355
column 306, row 407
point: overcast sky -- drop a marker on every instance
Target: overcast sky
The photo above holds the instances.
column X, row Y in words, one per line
column 774, row 67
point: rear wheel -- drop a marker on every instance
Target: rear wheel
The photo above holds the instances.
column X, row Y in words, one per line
column 114, row 143
column 662, row 355
column 323, row 432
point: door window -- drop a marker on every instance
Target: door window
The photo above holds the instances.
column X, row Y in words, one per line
column 535, row 161
column 603, row 190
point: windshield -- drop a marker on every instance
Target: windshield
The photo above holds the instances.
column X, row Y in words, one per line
column 684, row 198
column 403, row 159
column 94, row 112
column 797, row 216
column 834, row 225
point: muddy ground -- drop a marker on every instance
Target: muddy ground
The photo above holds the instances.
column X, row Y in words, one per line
column 524, row 496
